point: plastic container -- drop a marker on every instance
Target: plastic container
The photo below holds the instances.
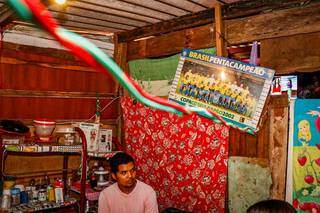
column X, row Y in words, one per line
column 15, row 196
column 44, row 128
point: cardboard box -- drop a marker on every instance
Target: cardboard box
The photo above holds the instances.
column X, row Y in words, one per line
column 91, row 131
column 105, row 140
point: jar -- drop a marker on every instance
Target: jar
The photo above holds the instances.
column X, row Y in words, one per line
column 15, row 196
column 66, row 136
column 34, row 191
column 42, row 195
column 29, row 193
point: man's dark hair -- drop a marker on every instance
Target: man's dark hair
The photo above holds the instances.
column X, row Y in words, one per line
column 119, row 159
column 271, row 206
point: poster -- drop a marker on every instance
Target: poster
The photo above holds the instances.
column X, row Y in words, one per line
column 235, row 90
column 285, row 84
column 303, row 184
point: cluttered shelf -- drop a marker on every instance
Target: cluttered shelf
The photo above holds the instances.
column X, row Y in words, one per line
column 39, row 206
column 42, row 148
column 36, row 148
column 66, row 141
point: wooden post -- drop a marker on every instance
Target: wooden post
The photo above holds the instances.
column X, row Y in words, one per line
column 279, row 118
column 120, row 56
column 219, row 29
column 65, row 173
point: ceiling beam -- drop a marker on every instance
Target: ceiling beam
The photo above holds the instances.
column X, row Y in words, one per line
column 229, row 11
column 6, row 17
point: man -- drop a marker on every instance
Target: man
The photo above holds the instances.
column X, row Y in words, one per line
column 127, row 195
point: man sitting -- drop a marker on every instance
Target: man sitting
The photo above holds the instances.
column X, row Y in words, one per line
column 127, row 195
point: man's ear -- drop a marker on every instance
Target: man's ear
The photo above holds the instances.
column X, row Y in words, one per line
column 114, row 176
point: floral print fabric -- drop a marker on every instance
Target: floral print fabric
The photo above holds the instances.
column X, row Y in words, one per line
column 183, row 158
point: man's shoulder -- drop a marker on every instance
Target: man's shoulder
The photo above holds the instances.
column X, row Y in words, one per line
column 145, row 187
column 109, row 189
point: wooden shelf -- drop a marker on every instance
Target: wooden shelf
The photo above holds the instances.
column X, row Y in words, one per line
column 41, row 206
column 43, row 148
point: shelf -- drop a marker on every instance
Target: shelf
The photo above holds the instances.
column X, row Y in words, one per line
column 106, row 155
column 40, row 206
column 54, row 148
column 43, row 148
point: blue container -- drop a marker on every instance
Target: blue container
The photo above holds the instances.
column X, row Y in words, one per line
column 24, row 197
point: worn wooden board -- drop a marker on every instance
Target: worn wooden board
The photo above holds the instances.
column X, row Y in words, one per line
column 259, row 27
column 249, row 181
column 23, row 166
column 299, row 53
column 278, row 143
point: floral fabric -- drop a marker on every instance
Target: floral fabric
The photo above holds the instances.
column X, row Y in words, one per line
column 183, row 158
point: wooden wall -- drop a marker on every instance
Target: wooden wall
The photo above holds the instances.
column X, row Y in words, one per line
column 49, row 83
column 53, row 82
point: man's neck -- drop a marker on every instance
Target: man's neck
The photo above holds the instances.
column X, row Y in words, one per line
column 127, row 190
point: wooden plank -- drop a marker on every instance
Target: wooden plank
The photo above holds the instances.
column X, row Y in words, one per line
column 33, row 77
column 13, row 61
column 6, row 17
column 65, row 18
column 55, row 108
column 101, row 16
column 219, row 31
column 171, row 25
column 159, row 6
column 275, row 24
column 291, row 57
column 120, row 56
column 123, row 9
column 53, row 94
column 229, row 11
column 239, row 9
column 108, row 123
column 45, row 52
column 263, row 26
column 39, row 164
column 278, row 141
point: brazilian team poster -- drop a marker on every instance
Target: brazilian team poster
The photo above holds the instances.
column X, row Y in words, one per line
column 235, row 90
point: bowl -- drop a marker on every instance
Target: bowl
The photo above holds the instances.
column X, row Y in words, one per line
column 44, row 128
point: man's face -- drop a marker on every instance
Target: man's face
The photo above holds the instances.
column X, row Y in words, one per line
column 126, row 176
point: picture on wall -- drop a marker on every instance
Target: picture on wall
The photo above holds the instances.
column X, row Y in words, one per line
column 233, row 89
column 303, row 170
column 285, row 84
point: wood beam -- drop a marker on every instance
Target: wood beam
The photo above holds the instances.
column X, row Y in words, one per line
column 278, row 141
column 53, row 94
column 229, row 11
column 6, row 17
column 219, row 31
column 120, row 57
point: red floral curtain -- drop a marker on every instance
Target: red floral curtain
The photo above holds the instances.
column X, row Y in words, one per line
column 183, row 158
